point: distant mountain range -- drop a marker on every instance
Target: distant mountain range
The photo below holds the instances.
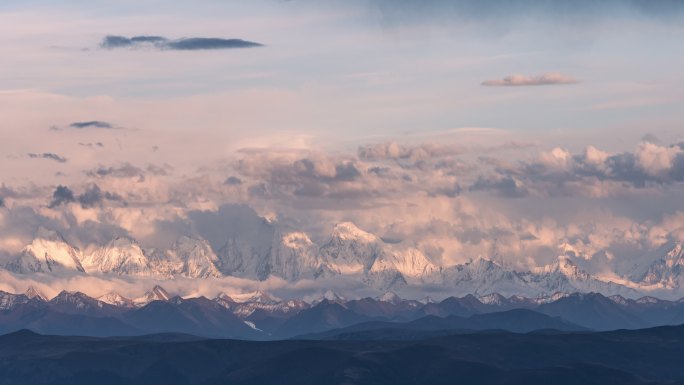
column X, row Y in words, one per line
column 349, row 252
column 378, row 357
column 260, row 316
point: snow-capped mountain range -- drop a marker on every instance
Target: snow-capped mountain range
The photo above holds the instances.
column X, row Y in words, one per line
column 349, row 252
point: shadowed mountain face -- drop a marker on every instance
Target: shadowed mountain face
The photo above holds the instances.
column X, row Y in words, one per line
column 594, row 311
column 649, row 356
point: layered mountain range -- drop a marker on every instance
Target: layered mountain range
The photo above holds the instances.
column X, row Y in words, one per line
column 348, row 252
column 261, row 316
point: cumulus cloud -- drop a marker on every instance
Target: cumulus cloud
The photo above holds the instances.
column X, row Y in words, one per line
column 48, row 155
column 183, row 44
column 522, row 80
column 592, row 172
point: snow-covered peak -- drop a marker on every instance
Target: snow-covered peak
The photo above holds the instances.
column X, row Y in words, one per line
column 122, row 256
column 76, row 300
column 116, row 299
column 566, row 267
column 351, row 251
column 331, row 296
column 390, row 297
column 426, row 300
column 122, row 242
column 294, row 256
column 347, row 231
column 296, row 240
column 224, row 297
column 618, row 299
column 667, row 271
column 189, row 257
column 160, row 293
column 9, row 301
column 225, row 300
column 552, row 298
column 647, row 300
column 157, row 293
column 47, row 253
column 256, row 297
column 493, row 299
column 32, row 293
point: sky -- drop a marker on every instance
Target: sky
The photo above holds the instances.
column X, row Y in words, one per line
column 514, row 130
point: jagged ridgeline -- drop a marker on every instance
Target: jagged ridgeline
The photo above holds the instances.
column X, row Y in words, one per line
column 262, row 316
column 264, row 251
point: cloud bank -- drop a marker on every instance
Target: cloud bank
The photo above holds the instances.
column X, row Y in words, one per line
column 522, row 206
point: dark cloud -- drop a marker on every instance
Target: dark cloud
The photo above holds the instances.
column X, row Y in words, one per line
column 199, row 43
column 2, row 202
column 346, row 172
column 233, row 181
column 94, row 196
column 48, row 155
column 92, row 124
column 112, row 41
column 61, row 195
column 183, row 44
column 233, row 222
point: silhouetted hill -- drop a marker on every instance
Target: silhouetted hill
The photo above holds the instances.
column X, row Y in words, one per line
column 638, row 357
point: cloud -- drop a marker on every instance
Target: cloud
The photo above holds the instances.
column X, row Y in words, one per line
column 48, row 155
column 91, row 145
column 93, row 196
column 233, row 181
column 2, row 202
column 395, row 151
column 183, row 44
column 540, row 80
column 92, row 124
column 126, row 170
column 62, row 195
column 590, row 173
column 506, row 186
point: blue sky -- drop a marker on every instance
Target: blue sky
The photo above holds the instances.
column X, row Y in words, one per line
column 366, row 68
